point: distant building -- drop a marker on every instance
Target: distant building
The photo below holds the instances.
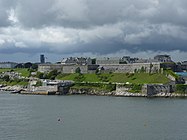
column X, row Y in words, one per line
column 163, row 58
column 77, row 61
column 42, row 59
column 67, row 68
column 108, row 60
column 49, row 67
column 7, row 65
column 128, row 59
column 184, row 65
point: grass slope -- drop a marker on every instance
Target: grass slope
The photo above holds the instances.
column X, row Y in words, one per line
column 137, row 78
column 24, row 72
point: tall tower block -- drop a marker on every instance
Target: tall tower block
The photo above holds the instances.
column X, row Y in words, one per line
column 42, row 59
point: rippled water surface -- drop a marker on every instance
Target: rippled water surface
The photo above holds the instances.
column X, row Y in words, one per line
column 29, row 117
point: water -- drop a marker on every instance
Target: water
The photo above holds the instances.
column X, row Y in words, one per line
column 29, row 117
column 182, row 74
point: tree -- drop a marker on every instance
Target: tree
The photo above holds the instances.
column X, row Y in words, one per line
column 97, row 71
column 135, row 70
column 142, row 70
column 38, row 83
column 52, row 74
column 94, row 61
column 34, row 66
column 28, row 65
column 78, row 70
column 40, row 75
column 6, row 78
column 19, row 66
column 151, row 66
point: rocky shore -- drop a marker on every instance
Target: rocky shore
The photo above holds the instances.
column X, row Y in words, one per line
column 120, row 94
column 74, row 91
column 12, row 88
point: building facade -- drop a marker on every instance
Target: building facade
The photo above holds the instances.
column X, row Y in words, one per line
column 116, row 68
column 7, row 65
column 163, row 58
column 42, row 59
column 108, row 60
column 77, row 60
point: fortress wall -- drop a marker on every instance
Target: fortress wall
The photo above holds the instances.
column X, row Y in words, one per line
column 130, row 68
column 72, row 68
column 116, row 68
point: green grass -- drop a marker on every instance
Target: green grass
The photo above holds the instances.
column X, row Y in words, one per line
column 4, row 70
column 24, row 72
column 95, row 86
column 168, row 71
column 137, row 78
column 140, row 78
column 22, row 83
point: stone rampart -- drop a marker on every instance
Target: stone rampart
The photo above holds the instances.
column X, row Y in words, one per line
column 131, row 68
column 72, row 68
column 154, row 89
column 116, row 68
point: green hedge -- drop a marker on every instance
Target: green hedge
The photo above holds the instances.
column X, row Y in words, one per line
column 180, row 88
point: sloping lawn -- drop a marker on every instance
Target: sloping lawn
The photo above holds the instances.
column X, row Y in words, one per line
column 24, row 72
column 137, row 78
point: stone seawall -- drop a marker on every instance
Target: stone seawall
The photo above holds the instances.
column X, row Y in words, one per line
column 90, row 91
column 87, row 91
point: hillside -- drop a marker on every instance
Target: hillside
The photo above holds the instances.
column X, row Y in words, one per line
column 136, row 78
column 23, row 71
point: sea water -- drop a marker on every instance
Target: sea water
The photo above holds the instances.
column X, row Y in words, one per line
column 35, row 117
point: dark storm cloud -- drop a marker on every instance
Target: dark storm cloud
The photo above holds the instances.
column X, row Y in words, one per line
column 96, row 26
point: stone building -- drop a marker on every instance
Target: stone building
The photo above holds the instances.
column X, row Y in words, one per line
column 128, row 59
column 76, row 60
column 67, row 68
column 108, row 60
column 163, row 58
column 7, row 65
column 131, row 68
column 49, row 67
column 116, row 68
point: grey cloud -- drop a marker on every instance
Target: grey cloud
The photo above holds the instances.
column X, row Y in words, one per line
column 4, row 7
column 96, row 26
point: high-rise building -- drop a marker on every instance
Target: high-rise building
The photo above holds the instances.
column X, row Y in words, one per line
column 42, row 58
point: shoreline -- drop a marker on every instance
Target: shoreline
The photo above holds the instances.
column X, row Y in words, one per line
column 101, row 93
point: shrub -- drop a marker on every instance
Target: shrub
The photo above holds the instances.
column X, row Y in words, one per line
column 180, row 88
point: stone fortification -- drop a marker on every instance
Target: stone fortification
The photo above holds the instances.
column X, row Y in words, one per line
column 107, row 60
column 72, row 68
column 154, row 89
column 131, row 68
column 116, row 68
column 49, row 67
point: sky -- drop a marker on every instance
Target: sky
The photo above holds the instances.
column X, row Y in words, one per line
column 92, row 28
